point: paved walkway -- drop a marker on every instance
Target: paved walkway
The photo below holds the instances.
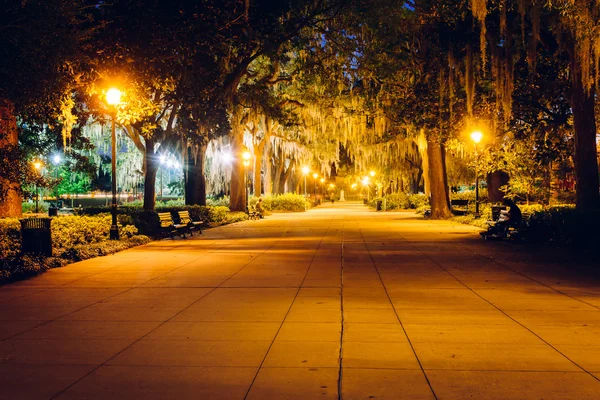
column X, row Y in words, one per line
column 339, row 302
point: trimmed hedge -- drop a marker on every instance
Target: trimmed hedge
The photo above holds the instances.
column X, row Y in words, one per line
column 402, row 201
column 287, row 202
column 74, row 238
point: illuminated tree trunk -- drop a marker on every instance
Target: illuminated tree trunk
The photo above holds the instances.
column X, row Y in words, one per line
column 495, row 181
column 439, row 189
column 257, row 170
column 586, row 162
column 10, row 203
column 277, row 179
column 151, row 162
column 268, row 168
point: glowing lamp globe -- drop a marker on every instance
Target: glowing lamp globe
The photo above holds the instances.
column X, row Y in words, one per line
column 305, row 170
column 113, row 96
column 476, row 136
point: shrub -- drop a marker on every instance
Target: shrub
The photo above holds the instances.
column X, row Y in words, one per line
column 287, row 202
column 73, row 230
column 10, row 238
column 402, row 201
column 217, row 201
column 27, row 207
column 236, row 216
column 218, row 214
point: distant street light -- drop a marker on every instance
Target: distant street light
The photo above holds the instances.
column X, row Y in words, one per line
column 476, row 136
column 305, row 172
column 246, row 156
column 366, row 181
column 113, row 99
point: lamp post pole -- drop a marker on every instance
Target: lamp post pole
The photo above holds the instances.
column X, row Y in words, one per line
column 476, row 136
column 476, row 183
column 114, row 229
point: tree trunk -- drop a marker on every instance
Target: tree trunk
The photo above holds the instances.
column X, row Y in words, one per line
column 286, row 175
column 10, row 203
column 445, row 174
column 280, row 164
column 190, row 177
column 268, row 167
column 237, row 199
column 258, row 159
column 150, row 177
column 195, row 185
column 586, row 163
column 439, row 193
column 554, row 182
column 495, row 180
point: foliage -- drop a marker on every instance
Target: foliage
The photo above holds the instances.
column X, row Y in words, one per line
column 74, row 238
column 29, row 206
column 288, row 202
column 10, row 238
column 470, row 195
column 219, row 201
column 402, row 201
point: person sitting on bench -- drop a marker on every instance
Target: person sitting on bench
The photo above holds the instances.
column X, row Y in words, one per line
column 259, row 208
column 512, row 217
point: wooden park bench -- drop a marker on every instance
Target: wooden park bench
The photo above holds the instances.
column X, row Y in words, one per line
column 169, row 227
column 253, row 214
column 185, row 219
column 460, row 203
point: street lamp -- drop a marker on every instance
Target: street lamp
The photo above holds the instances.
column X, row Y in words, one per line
column 246, row 156
column 305, row 172
column 113, row 99
column 38, row 166
column 366, row 182
column 476, row 136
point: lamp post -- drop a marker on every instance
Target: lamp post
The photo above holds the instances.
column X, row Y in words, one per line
column 476, row 136
column 246, row 156
column 366, row 182
column 372, row 173
column 305, row 171
column 38, row 166
column 113, row 98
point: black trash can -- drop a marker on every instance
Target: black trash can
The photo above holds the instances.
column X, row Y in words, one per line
column 378, row 204
column 365, row 202
column 52, row 212
column 36, row 236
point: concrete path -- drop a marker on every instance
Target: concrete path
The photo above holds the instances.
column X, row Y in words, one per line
column 339, row 302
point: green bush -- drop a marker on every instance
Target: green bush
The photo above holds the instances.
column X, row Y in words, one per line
column 402, row 201
column 218, row 214
column 217, row 201
column 470, row 195
column 287, row 202
column 29, row 207
column 236, row 216
column 10, row 238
